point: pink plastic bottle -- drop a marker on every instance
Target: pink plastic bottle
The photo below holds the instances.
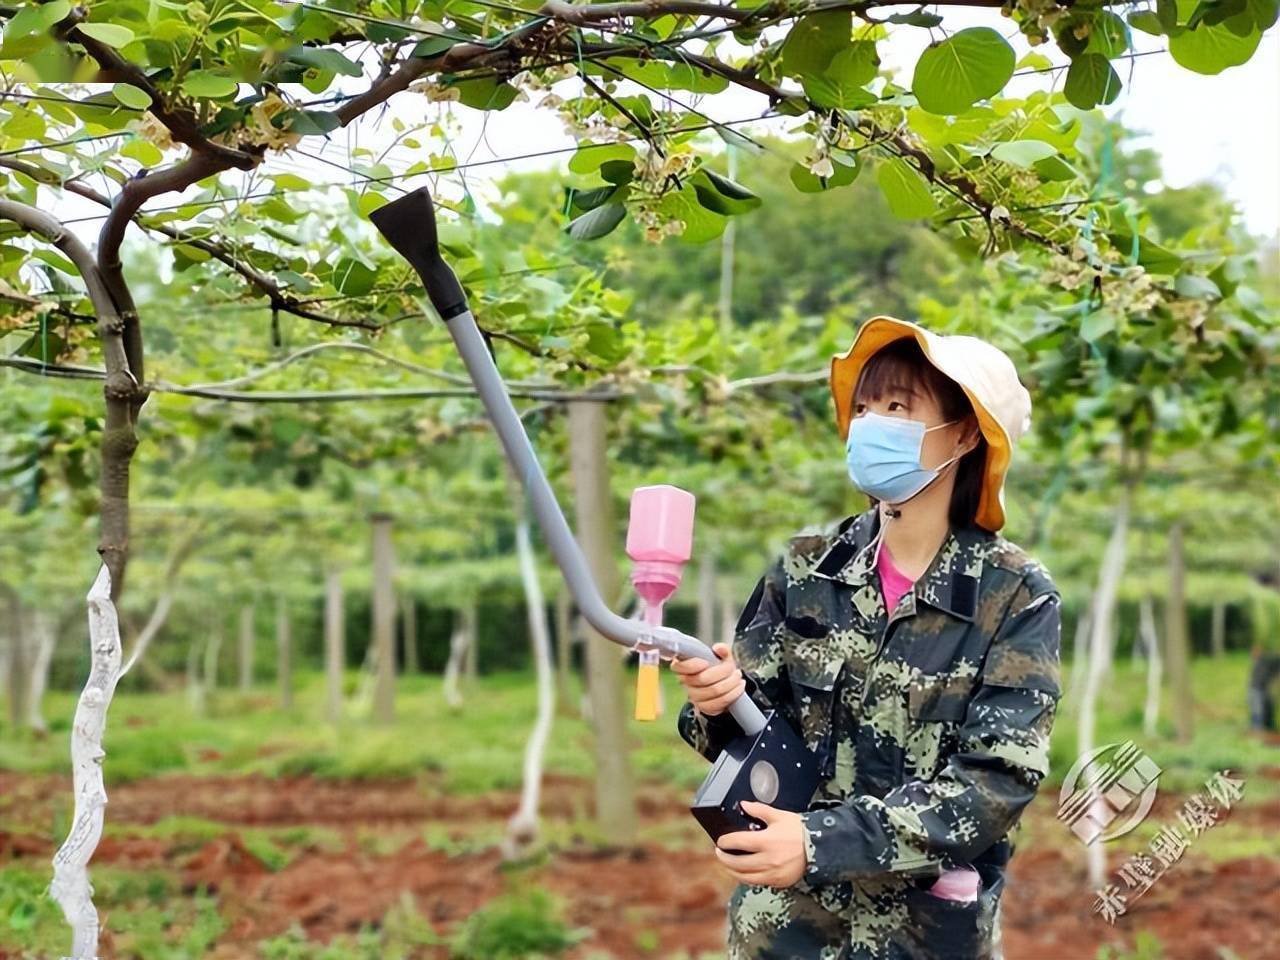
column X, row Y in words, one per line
column 659, row 543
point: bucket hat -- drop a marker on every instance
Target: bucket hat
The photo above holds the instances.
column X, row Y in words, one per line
column 985, row 374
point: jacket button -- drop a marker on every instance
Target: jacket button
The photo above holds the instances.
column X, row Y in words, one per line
column 829, row 821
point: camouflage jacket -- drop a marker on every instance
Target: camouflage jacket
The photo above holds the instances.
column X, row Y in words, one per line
column 931, row 728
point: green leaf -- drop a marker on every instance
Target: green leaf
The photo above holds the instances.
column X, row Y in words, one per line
column 131, row 96
column 1091, row 80
column 1023, row 153
column 905, row 189
column 590, row 156
column 56, row 261
column 1097, row 324
column 841, row 84
column 145, row 152
column 309, row 123
column 324, row 58
column 1194, row 286
column 112, row 34
column 353, row 278
column 1056, row 169
column 814, row 41
column 916, row 18
column 968, row 66
column 35, row 18
column 1211, row 49
column 485, row 93
column 806, row 181
column 205, row 83
column 1109, row 36
column 1147, row 21
column 597, row 223
column 722, row 195
column 433, row 47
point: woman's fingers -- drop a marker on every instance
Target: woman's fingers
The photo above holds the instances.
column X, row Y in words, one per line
column 720, row 704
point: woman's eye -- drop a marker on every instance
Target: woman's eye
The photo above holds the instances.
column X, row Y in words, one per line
column 896, row 403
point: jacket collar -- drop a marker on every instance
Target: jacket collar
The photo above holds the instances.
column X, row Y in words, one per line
column 950, row 584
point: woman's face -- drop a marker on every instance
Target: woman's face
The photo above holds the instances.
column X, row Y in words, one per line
column 912, row 403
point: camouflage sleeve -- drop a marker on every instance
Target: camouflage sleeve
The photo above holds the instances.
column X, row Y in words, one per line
column 756, row 652
column 977, row 798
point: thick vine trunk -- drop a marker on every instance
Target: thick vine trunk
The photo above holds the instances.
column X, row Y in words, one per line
column 284, row 654
column 70, row 886
column 335, row 654
column 589, row 465
column 522, row 828
column 246, row 646
column 384, row 621
column 1182, row 701
column 1100, row 647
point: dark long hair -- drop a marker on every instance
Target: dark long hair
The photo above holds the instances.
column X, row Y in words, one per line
column 903, row 365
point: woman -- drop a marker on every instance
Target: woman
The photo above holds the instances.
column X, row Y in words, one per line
column 916, row 651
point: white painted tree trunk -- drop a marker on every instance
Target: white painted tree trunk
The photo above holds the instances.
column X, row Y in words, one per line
column 43, row 638
column 335, row 655
column 522, row 828
column 70, row 887
column 730, row 607
column 707, row 597
column 1100, row 646
column 461, row 638
column 384, row 621
column 1155, row 666
column 246, row 645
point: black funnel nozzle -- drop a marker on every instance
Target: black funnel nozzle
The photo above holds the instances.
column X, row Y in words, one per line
column 409, row 224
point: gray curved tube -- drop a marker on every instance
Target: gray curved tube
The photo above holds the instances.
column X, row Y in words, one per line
column 409, row 225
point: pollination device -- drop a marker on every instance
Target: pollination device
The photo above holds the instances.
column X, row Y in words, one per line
column 768, row 761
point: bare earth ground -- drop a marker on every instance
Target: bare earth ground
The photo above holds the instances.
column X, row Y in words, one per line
column 389, row 834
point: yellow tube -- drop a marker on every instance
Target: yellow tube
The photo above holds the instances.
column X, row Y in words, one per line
column 647, row 680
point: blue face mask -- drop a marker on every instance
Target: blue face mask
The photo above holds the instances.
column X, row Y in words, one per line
column 884, row 456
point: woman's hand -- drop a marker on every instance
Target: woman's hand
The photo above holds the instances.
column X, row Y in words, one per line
column 711, row 686
column 774, row 856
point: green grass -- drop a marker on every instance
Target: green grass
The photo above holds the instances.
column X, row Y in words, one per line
column 150, row 918
column 480, row 747
column 473, row 750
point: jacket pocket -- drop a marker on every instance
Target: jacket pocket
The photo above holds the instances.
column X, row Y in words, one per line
column 935, row 928
column 814, row 668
